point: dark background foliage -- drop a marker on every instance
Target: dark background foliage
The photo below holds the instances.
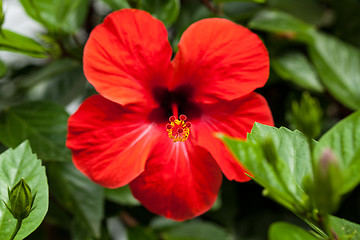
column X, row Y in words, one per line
column 38, row 92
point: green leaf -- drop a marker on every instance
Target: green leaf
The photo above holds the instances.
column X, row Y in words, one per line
column 345, row 230
column 78, row 194
column 116, row 228
column 295, row 67
column 196, row 230
column 58, row 15
column 283, row 175
column 16, row 164
column 117, row 4
column 44, row 124
column 3, row 69
column 338, row 66
column 122, row 196
column 140, row 233
column 60, row 81
column 13, row 42
column 282, row 23
column 240, row 11
column 166, row 11
column 344, row 140
column 287, row 231
column 310, row 11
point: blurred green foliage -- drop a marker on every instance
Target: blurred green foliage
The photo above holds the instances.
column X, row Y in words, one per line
column 313, row 47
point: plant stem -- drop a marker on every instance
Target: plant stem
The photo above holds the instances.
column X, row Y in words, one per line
column 16, row 230
column 211, row 7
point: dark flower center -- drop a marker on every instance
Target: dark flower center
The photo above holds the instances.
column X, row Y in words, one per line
column 180, row 99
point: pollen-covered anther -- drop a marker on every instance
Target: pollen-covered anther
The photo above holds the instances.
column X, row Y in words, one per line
column 178, row 129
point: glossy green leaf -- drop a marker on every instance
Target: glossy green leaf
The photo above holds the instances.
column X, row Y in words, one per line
column 344, row 140
column 58, row 15
column 295, row 67
column 196, row 230
column 338, row 66
column 117, row 4
column 60, row 81
column 283, row 174
column 121, row 196
column 287, row 231
column 44, row 124
column 166, row 11
column 16, row 164
column 13, row 42
column 77, row 194
column 344, row 229
column 282, row 23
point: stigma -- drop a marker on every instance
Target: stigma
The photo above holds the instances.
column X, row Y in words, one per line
column 178, row 129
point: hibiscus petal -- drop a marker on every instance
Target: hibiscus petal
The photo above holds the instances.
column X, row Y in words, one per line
column 180, row 181
column 219, row 59
column 235, row 118
column 127, row 55
column 110, row 143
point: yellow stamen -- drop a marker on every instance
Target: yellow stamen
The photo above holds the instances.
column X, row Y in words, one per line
column 178, row 129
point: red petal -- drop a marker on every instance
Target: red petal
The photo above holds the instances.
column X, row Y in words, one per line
column 127, row 55
column 109, row 143
column 235, row 118
column 221, row 60
column 180, row 181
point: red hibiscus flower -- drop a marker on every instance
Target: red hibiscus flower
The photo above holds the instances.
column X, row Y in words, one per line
column 138, row 130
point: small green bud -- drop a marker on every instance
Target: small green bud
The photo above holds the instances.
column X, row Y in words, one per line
column 306, row 116
column 21, row 200
column 328, row 180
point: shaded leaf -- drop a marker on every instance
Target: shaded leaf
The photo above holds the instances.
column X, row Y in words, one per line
column 16, row 164
column 140, row 233
column 60, row 81
column 44, row 124
column 3, row 69
column 256, row 1
column 117, row 4
column 295, row 67
column 121, row 196
column 196, row 230
column 166, row 11
column 116, row 229
column 282, row 23
column 78, row 194
column 338, row 66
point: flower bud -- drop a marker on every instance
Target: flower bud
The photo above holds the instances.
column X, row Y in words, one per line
column 21, row 200
column 328, row 180
column 306, row 116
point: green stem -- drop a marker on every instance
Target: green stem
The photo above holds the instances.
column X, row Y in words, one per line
column 16, row 230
